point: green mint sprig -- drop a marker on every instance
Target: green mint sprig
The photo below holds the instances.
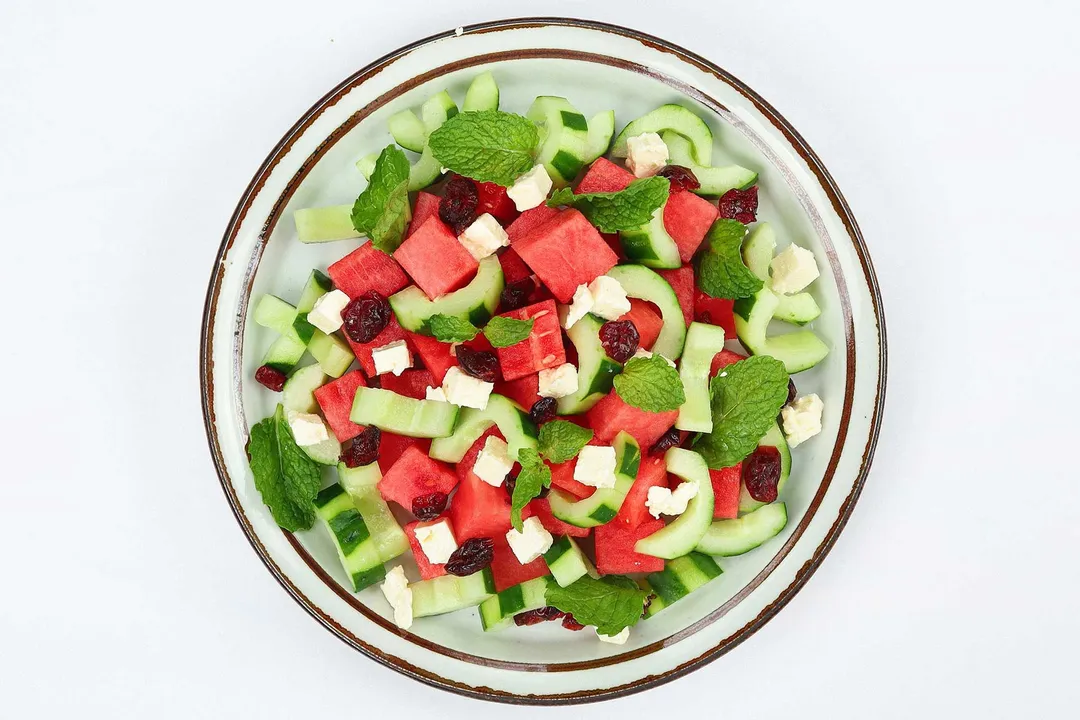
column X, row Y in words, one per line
column 451, row 329
column 382, row 211
column 561, row 440
column 651, row 384
column 285, row 476
column 721, row 272
column 626, row 209
column 503, row 331
column 534, row 475
column 611, row 603
column 488, row 145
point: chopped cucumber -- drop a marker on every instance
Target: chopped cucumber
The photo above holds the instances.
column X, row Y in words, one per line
column 714, row 180
column 642, row 283
column 274, row 313
column 408, row 131
column 328, row 452
column 596, row 369
column 284, row 353
column 726, row 538
column 774, row 438
column 566, row 561
column 798, row 351
column 476, row 302
column 703, row 342
column 603, row 505
column 483, row 93
column 757, row 252
column 449, row 593
column 651, row 244
column 333, row 354
column 497, row 613
column 679, row 578
column 564, row 138
column 512, row 421
column 317, row 285
column 683, row 534
column 358, row 478
column 403, row 415
column 797, row 309
column 354, row 543
column 601, row 130
column 425, row 171
column 325, row 224
column 675, row 118
column 436, row 110
column 366, row 166
column 360, row 483
column 297, row 393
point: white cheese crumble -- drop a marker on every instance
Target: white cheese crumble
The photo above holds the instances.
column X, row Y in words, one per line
column 532, row 542
column 559, row 381
column 802, row 419
column 494, row 462
column 436, row 540
column 793, row 270
column 580, row 306
column 531, row 189
column 609, row 298
column 397, row 592
column 394, row 358
column 596, row 466
column 618, row 639
column 307, row 429
column 326, row 314
column 465, row 390
column 663, row 501
column 646, row 154
column 435, row 393
column 484, row 236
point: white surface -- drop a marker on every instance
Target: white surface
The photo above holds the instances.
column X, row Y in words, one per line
column 130, row 130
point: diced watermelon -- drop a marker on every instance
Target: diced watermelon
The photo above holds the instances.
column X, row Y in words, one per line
column 411, row 383
column 427, row 569
column 611, row 415
column 513, row 267
column 687, row 217
column 541, row 350
column 392, row 447
column 615, row 548
column 426, row 206
column 508, row 572
column 524, row 391
column 528, row 220
column 723, row 359
column 565, row 252
column 541, row 508
column 365, row 269
column 652, row 473
column 562, row 478
column 715, row 311
column 681, row 281
column 434, row 354
column 414, row 474
column 605, row 176
column 478, row 509
column 613, row 242
column 336, row 399
column 648, row 321
column 494, row 200
column 363, row 351
column 727, row 484
column 435, row 260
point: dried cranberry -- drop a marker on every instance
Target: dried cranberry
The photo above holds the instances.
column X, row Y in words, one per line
column 364, row 448
column 570, row 623
column 458, row 205
column 270, row 378
column 481, row 364
column 366, row 317
column 761, row 473
column 648, row 602
column 516, row 295
column 510, row 484
column 543, row 410
column 739, row 205
column 429, row 507
column 681, row 178
column 791, row 392
column 534, row 617
column 471, row 557
column 667, row 441
column 620, row 339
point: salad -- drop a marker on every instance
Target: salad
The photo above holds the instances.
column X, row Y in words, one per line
column 548, row 384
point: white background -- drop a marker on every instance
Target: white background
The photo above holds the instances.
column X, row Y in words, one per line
column 128, row 131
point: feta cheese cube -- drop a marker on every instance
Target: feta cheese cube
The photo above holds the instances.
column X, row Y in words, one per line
column 494, row 462
column 397, row 592
column 802, row 419
column 793, row 270
column 662, row 501
column 643, row 353
column 307, row 429
column 618, row 639
column 435, row 393
column 394, row 358
column 532, row 542
column 580, row 306
column 465, row 390
column 609, row 298
column 531, row 189
column 646, row 154
column 484, row 237
column 436, row 540
column 559, row 381
column 326, row 314
column 596, row 466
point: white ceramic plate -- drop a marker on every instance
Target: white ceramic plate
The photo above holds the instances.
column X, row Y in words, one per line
column 597, row 67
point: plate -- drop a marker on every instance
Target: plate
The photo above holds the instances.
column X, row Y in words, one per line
column 597, row 67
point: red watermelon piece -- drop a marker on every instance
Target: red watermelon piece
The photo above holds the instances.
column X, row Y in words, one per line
column 687, row 217
column 727, row 484
column 652, row 473
column 681, row 281
column 715, row 311
column 336, row 399
column 365, row 269
column 543, row 348
column 565, row 252
column 562, row 478
column 434, row 354
column 513, row 267
column 541, row 508
column 605, row 176
column 524, row 391
column 646, row 319
column 508, row 572
column 492, row 199
column 427, row 569
column 615, row 548
column 392, row 447
column 478, row 509
column 435, row 260
column 411, row 383
column 414, row 474
column 391, row 333
column 611, row 415
column 427, row 205
column 613, row 242
column 723, row 359
column 528, row 220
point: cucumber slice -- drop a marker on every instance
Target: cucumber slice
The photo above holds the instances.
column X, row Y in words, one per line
column 798, row 351
column 758, row 251
column 566, row 561
column 325, row 224
column 683, row 534
column 449, row 593
column 679, row 578
column 675, row 118
column 436, row 110
column 512, row 421
column 297, row 393
column 714, row 180
column 603, row 505
column 703, row 342
column 797, row 309
column 726, row 538
column 426, row 171
column 284, row 353
column 351, row 537
column 366, row 166
column 601, row 130
column 328, row 452
column 317, row 285
column 277, row 315
column 564, row 138
column 774, row 438
column 360, row 483
column 408, row 131
column 332, row 354
column 483, row 93
column 476, row 302
column 497, row 613
column 651, row 244
column 403, row 415
column 642, row 283
column 596, row 369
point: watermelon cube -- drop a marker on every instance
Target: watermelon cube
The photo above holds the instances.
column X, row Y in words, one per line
column 478, row 509
column 681, row 281
column 392, row 447
column 605, row 176
column 524, row 391
column 414, row 474
column 541, row 508
column 426, row 206
column 528, row 220
column 687, row 217
column 723, row 359
column 492, row 199
column 434, row 354
column 508, row 572
column 727, row 484
column 646, row 319
column 715, row 311
column 543, row 348
column 565, row 252
column 652, row 473
column 562, row 478
column 411, row 383
column 363, row 351
column 336, row 399
column 435, row 260
column 513, row 267
column 611, row 415
column 365, row 269
column 615, row 548
column 613, row 242
column 427, row 569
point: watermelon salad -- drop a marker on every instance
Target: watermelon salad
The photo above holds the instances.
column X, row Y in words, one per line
column 546, row 383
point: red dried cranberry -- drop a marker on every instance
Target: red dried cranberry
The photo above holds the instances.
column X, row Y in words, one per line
column 791, row 392
column 516, row 295
column 543, row 410
column 429, row 507
column 570, row 623
column 534, row 617
column 270, row 378
column 458, row 205
column 366, row 317
column 761, row 473
column 648, row 602
column 620, row 339
column 681, row 178
column 667, row 441
column 510, row 484
column 471, row 557
column 364, row 448
column 481, row 364
column 739, row 205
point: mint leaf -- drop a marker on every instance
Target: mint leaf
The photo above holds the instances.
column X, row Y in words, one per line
column 651, row 384
column 746, row 398
column 489, row 145
column 721, row 272
column 382, row 211
column 626, row 209
column 285, row 476
column 561, row 440
column 450, row 329
column 504, row 332
column 611, row 603
column 534, row 475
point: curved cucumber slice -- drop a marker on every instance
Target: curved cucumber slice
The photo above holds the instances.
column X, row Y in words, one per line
column 355, row 546
column 774, row 438
column 483, row 94
column 403, row 415
column 408, row 131
column 564, row 137
column 798, row 350
column 726, row 538
column 714, row 180
column 603, row 505
column 675, row 118
column 797, row 309
column 601, row 130
column 326, row 224
column 596, row 369
column 642, row 283
column 332, row 354
column 436, row 110
column 758, row 251
column 328, row 452
column 283, row 354
column 683, row 535
column 317, row 285
column 426, row 171
column 703, row 342
column 566, row 561
column 512, row 421
column 651, row 244
column 297, row 393
column 476, row 302
column 679, row 578
column 360, row 483
column 497, row 613
column 449, row 593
